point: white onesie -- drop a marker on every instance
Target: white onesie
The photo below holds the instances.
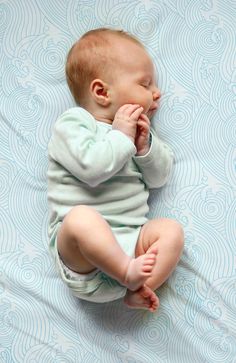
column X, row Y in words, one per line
column 94, row 165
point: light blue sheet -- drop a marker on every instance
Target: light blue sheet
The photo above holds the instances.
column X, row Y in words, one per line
column 193, row 45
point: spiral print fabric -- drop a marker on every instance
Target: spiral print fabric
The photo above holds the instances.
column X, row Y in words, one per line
column 193, row 46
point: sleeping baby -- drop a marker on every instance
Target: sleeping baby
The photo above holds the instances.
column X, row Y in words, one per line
column 104, row 156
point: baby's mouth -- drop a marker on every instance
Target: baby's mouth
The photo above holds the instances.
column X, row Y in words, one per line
column 152, row 110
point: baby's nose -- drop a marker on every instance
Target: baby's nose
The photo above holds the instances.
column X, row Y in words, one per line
column 156, row 94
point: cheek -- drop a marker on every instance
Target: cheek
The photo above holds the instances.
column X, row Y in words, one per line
column 134, row 96
column 146, row 104
column 141, row 99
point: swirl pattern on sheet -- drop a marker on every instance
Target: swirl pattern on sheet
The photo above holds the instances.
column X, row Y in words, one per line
column 193, row 46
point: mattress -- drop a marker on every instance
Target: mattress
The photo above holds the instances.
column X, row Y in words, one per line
column 193, row 46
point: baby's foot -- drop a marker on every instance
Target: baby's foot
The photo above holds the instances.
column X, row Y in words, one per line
column 144, row 298
column 139, row 269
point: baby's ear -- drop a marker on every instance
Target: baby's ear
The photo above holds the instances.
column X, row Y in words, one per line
column 99, row 92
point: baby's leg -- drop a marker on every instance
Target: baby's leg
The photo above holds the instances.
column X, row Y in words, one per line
column 167, row 236
column 86, row 242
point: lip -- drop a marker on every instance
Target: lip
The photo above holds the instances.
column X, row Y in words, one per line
column 153, row 108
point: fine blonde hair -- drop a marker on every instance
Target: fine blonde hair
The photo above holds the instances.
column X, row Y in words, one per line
column 90, row 58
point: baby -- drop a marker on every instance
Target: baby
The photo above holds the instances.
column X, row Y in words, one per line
column 103, row 158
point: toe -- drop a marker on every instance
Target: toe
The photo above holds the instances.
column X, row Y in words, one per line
column 150, row 261
column 153, row 251
column 147, row 269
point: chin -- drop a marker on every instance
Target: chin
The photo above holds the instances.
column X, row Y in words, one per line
column 150, row 115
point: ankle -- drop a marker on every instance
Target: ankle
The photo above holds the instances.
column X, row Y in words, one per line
column 124, row 271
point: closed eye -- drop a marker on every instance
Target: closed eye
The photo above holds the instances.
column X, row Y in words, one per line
column 145, row 84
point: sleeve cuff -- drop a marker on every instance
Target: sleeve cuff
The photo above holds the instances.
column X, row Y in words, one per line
column 122, row 142
column 143, row 159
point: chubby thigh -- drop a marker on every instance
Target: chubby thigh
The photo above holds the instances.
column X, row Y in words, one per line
column 95, row 285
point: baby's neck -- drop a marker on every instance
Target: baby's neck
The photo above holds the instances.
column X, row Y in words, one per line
column 103, row 119
column 102, row 115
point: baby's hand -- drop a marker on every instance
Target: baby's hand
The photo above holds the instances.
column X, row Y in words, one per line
column 142, row 135
column 126, row 119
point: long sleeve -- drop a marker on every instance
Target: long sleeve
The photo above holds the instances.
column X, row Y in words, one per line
column 74, row 145
column 156, row 165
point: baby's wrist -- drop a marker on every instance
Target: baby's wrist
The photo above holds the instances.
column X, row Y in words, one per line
column 143, row 151
column 130, row 137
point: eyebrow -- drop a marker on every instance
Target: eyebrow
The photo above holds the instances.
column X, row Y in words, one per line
column 147, row 78
column 146, row 74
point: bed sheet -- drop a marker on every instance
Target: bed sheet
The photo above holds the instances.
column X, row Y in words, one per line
column 193, row 46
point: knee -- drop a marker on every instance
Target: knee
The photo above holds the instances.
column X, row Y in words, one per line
column 172, row 233
column 176, row 234
column 78, row 219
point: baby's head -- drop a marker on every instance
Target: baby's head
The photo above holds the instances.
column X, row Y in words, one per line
column 102, row 68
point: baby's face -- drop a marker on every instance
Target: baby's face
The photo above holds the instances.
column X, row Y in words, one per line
column 134, row 79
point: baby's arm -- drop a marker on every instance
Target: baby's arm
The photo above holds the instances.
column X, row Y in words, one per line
column 74, row 145
column 156, row 165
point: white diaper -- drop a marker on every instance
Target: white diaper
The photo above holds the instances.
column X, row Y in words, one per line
column 96, row 286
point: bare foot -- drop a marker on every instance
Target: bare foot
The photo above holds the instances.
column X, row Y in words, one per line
column 144, row 298
column 139, row 269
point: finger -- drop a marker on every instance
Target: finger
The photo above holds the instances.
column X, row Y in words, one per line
column 135, row 115
column 145, row 118
column 134, row 110
column 143, row 124
column 128, row 108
